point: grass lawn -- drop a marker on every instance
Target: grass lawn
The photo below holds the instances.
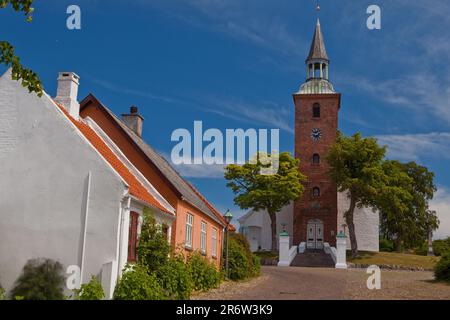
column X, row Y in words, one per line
column 266, row 254
column 394, row 258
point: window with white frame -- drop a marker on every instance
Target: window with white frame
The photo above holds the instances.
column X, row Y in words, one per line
column 189, row 229
column 214, row 242
column 203, row 237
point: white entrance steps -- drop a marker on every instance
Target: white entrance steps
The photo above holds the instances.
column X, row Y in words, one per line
column 327, row 257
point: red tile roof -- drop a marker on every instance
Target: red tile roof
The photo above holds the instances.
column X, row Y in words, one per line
column 136, row 189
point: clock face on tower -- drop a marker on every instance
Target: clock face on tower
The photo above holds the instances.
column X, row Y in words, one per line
column 316, row 134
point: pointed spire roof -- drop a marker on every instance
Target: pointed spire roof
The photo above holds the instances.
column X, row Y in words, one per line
column 318, row 51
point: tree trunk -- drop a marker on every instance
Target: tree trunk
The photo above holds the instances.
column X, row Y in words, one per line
column 398, row 244
column 273, row 224
column 351, row 227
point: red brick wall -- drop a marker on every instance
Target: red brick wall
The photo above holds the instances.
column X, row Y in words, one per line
column 325, row 206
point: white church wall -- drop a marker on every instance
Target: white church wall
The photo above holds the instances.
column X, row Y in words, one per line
column 261, row 220
column 367, row 225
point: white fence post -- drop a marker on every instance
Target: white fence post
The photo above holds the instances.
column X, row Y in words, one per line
column 286, row 254
column 341, row 251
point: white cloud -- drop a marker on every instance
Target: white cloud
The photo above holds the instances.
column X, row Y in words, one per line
column 200, row 170
column 414, row 147
column 250, row 21
column 441, row 204
column 266, row 113
column 196, row 170
column 140, row 93
column 421, row 93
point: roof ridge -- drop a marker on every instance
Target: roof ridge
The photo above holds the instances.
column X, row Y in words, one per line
column 161, row 164
column 213, row 209
column 136, row 188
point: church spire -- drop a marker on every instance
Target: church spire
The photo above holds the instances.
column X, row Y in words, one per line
column 318, row 50
column 317, row 65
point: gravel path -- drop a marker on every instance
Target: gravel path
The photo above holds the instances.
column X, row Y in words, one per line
column 325, row 283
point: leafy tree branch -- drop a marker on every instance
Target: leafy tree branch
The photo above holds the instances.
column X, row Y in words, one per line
column 30, row 79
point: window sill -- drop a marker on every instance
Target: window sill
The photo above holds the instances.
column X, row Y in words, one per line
column 203, row 253
column 214, row 257
column 188, row 248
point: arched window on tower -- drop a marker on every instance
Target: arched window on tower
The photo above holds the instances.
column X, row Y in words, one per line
column 316, row 158
column 316, row 192
column 316, row 110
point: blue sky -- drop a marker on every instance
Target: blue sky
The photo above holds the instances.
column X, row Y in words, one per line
column 235, row 64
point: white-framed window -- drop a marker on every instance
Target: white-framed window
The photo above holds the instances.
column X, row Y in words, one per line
column 189, row 229
column 214, row 242
column 203, row 237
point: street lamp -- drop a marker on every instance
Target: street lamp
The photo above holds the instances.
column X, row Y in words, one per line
column 228, row 217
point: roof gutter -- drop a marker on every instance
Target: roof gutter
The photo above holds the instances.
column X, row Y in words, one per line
column 167, row 213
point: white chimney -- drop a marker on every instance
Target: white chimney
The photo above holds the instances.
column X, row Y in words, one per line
column 67, row 91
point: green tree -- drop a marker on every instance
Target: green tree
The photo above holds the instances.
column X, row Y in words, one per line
column 356, row 168
column 403, row 204
column 41, row 279
column 8, row 57
column 258, row 191
column 153, row 247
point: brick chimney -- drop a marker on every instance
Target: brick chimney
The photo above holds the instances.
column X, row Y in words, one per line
column 67, row 91
column 134, row 120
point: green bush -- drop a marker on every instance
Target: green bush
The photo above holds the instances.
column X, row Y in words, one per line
column 2, row 293
column 239, row 264
column 242, row 263
column 203, row 273
column 442, row 268
column 137, row 284
column 153, row 247
column 92, row 290
column 386, row 245
column 422, row 250
column 41, row 279
column 175, row 279
column 441, row 247
column 256, row 268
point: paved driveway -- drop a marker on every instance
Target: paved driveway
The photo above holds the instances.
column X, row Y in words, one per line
column 325, row 283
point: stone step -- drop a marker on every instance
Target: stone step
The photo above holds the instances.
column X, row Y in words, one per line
column 313, row 259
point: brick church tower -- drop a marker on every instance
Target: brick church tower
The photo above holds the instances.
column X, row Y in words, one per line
column 316, row 124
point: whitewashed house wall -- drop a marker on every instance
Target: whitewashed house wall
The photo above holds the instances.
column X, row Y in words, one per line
column 44, row 167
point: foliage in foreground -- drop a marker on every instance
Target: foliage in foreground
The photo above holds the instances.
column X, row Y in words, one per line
column 242, row 264
column 203, row 273
column 137, row 284
column 175, row 279
column 2, row 293
column 153, row 248
column 92, row 290
column 442, row 269
column 29, row 79
column 41, row 279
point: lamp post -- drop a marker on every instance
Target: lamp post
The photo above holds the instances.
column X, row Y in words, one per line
column 228, row 217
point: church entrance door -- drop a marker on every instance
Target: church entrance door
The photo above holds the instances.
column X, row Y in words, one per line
column 315, row 234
